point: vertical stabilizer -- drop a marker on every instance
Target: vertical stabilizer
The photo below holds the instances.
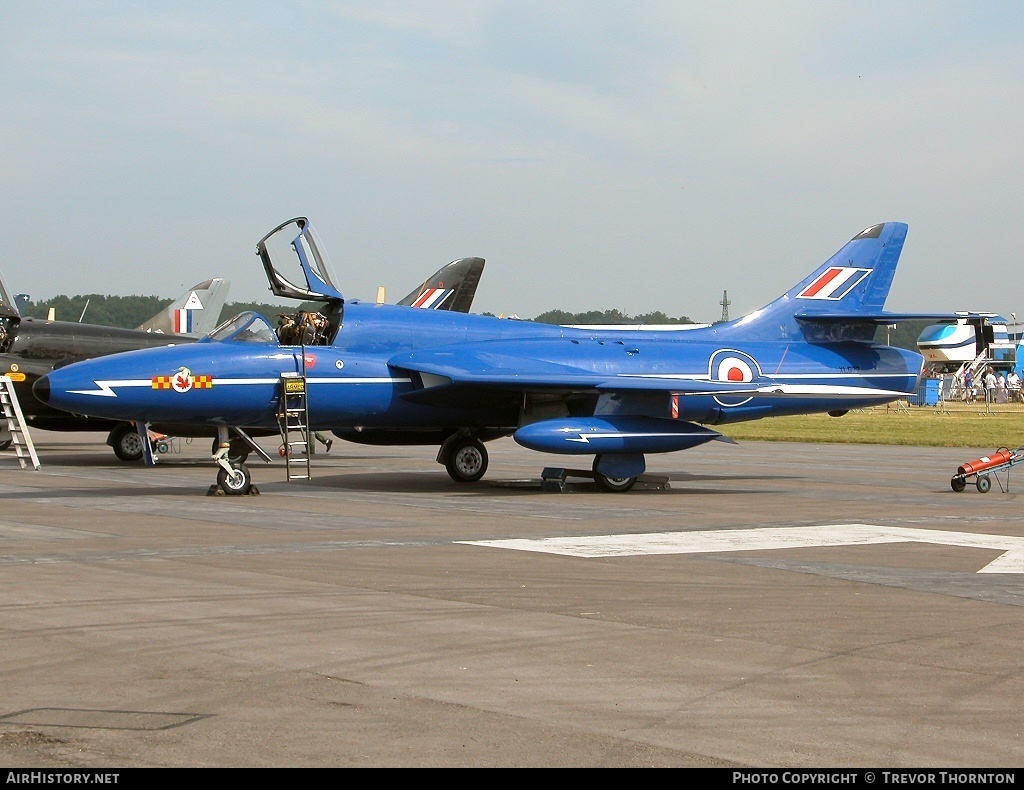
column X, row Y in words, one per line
column 853, row 283
column 9, row 303
column 452, row 287
column 195, row 312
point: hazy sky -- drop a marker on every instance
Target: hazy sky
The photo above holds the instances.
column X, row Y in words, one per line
column 640, row 155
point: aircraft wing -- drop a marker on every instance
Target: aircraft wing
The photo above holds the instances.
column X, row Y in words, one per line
column 449, row 376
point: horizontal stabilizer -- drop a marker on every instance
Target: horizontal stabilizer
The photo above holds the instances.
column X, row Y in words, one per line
column 879, row 319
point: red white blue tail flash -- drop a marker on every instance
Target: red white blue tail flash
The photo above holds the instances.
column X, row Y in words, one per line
column 834, row 283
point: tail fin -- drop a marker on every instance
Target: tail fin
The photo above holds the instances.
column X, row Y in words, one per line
column 9, row 306
column 195, row 312
column 849, row 288
column 452, row 287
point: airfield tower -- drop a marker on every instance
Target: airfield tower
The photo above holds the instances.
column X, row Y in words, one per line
column 725, row 305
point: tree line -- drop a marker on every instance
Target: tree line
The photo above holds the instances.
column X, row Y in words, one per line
column 129, row 312
column 608, row 317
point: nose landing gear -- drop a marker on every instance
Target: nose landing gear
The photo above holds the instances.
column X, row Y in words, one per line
column 233, row 476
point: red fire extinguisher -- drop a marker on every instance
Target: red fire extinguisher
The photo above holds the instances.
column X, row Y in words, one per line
column 986, row 462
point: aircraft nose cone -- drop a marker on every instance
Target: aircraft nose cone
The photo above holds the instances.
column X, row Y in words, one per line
column 41, row 389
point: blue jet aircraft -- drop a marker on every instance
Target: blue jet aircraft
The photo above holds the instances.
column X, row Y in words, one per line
column 392, row 374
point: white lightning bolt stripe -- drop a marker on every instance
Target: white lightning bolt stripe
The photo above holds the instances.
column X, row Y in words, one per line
column 828, row 389
column 682, row 376
column 706, row 377
column 585, row 438
column 105, row 389
column 219, row 382
column 228, row 382
column 354, row 380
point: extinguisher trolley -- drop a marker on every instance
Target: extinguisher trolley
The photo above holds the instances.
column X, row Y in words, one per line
column 982, row 470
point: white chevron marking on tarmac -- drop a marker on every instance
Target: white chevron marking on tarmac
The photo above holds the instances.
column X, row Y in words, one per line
column 729, row 540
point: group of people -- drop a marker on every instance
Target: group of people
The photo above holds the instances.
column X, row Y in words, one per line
column 303, row 328
column 995, row 386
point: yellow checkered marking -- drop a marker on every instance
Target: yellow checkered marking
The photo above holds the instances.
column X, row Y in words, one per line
column 203, row 382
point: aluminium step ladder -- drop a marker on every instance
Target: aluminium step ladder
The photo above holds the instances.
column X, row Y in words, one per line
column 20, row 437
column 293, row 421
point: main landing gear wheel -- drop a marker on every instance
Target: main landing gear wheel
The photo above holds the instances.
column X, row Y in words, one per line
column 126, row 442
column 238, row 482
column 958, row 484
column 984, row 484
column 613, row 485
column 466, row 461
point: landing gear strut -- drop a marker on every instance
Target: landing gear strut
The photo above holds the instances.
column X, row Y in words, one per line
column 237, row 451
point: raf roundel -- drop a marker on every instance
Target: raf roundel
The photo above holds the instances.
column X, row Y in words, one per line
column 732, row 366
column 734, row 369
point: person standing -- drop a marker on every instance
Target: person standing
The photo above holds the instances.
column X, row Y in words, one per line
column 1013, row 385
column 968, row 387
column 990, row 386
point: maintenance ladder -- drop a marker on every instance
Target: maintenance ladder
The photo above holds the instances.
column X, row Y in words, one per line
column 293, row 421
column 16, row 424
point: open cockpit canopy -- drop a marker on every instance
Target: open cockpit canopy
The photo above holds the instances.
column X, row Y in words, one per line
column 292, row 253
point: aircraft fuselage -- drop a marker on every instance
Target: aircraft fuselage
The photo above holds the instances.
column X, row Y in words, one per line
column 361, row 380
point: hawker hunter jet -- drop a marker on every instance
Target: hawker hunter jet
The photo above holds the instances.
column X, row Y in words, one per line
column 392, row 374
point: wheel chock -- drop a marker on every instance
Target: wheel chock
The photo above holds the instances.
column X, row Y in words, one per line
column 216, row 490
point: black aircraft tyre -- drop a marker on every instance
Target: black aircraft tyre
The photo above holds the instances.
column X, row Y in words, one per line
column 126, row 442
column 467, row 461
column 613, row 485
column 6, row 443
column 236, row 484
